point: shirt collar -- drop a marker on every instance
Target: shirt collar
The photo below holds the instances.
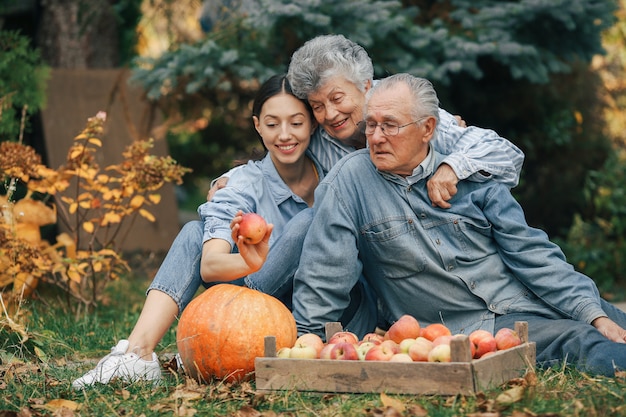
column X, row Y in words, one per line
column 424, row 169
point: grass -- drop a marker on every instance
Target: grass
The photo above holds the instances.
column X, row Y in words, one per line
column 36, row 375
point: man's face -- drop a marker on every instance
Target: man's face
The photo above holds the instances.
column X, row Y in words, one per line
column 402, row 153
column 338, row 107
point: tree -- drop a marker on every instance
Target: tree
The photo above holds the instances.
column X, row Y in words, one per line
column 518, row 67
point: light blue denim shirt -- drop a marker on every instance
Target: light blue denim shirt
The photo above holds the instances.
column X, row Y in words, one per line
column 469, row 151
column 460, row 266
column 254, row 187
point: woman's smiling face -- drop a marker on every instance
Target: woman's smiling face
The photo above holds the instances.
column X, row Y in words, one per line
column 338, row 107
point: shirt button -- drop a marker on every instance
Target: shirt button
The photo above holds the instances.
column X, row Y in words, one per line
column 423, row 215
column 438, row 242
column 410, row 221
column 456, row 222
column 409, row 188
column 492, row 306
column 472, row 285
column 450, row 267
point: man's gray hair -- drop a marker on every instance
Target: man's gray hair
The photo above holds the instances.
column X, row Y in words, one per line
column 325, row 57
column 425, row 101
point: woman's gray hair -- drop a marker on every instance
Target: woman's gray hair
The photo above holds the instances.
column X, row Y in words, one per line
column 425, row 100
column 325, row 57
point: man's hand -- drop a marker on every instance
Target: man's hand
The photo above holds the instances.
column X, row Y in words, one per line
column 610, row 329
column 219, row 184
column 460, row 121
column 442, row 186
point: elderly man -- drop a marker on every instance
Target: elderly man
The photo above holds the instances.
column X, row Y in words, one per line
column 475, row 265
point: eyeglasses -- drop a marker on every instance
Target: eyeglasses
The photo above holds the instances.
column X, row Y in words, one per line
column 388, row 129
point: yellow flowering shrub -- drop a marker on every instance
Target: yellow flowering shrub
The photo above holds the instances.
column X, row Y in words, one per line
column 92, row 202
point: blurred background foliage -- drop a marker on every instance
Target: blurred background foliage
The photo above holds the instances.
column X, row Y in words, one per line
column 546, row 74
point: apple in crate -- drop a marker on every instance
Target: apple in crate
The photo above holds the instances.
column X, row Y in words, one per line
column 483, row 341
column 420, row 349
column 406, row 327
column 507, row 338
column 440, row 353
column 344, row 351
column 434, row 330
column 310, row 340
column 344, row 336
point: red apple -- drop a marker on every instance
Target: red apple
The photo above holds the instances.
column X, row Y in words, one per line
column 252, row 227
column 440, row 353
column 344, row 351
column 484, row 342
column 406, row 327
column 382, row 352
column 363, row 347
column 401, row 357
column 442, row 340
column 344, row 336
column 420, row 349
column 310, row 339
column 395, row 347
column 507, row 338
column 325, row 352
column 373, row 337
column 434, row 330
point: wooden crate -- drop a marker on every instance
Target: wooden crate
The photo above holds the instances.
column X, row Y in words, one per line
column 461, row 376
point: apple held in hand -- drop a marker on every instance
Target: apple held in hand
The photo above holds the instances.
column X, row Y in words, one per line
column 507, row 338
column 252, row 228
column 406, row 327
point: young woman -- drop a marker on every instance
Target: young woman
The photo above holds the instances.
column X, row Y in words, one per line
column 277, row 187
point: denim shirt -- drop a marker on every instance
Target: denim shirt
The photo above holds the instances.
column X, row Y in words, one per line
column 469, row 151
column 461, row 266
column 254, row 187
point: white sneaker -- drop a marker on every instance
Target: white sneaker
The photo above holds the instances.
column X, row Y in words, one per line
column 128, row 367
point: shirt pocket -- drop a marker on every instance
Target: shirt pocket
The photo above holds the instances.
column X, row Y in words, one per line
column 392, row 249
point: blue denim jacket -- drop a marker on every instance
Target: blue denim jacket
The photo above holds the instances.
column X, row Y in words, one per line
column 255, row 187
column 461, row 266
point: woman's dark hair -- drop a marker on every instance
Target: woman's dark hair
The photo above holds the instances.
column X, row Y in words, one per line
column 273, row 86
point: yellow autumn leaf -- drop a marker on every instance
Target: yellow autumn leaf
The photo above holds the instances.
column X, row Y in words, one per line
column 95, row 141
column 392, row 402
column 97, row 266
column 73, row 275
column 103, row 178
column 110, row 217
column 88, row 227
column 73, row 207
column 85, row 204
column 155, row 198
column 147, row 215
column 510, row 396
column 76, row 152
column 137, row 201
column 81, row 136
column 59, row 403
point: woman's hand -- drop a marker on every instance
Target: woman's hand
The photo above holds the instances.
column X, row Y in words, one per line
column 253, row 255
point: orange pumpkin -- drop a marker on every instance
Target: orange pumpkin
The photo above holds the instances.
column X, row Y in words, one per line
column 222, row 331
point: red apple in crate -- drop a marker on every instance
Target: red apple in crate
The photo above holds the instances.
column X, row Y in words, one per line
column 484, row 341
column 440, row 353
column 373, row 337
column 344, row 351
column 382, row 352
column 420, row 349
column 363, row 347
column 310, row 339
column 401, row 357
column 325, row 352
column 442, row 340
column 252, row 227
column 395, row 347
column 344, row 336
column 434, row 330
column 406, row 327
column 222, row 331
column 507, row 338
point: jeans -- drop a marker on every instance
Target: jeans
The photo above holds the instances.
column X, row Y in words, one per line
column 179, row 274
column 573, row 341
